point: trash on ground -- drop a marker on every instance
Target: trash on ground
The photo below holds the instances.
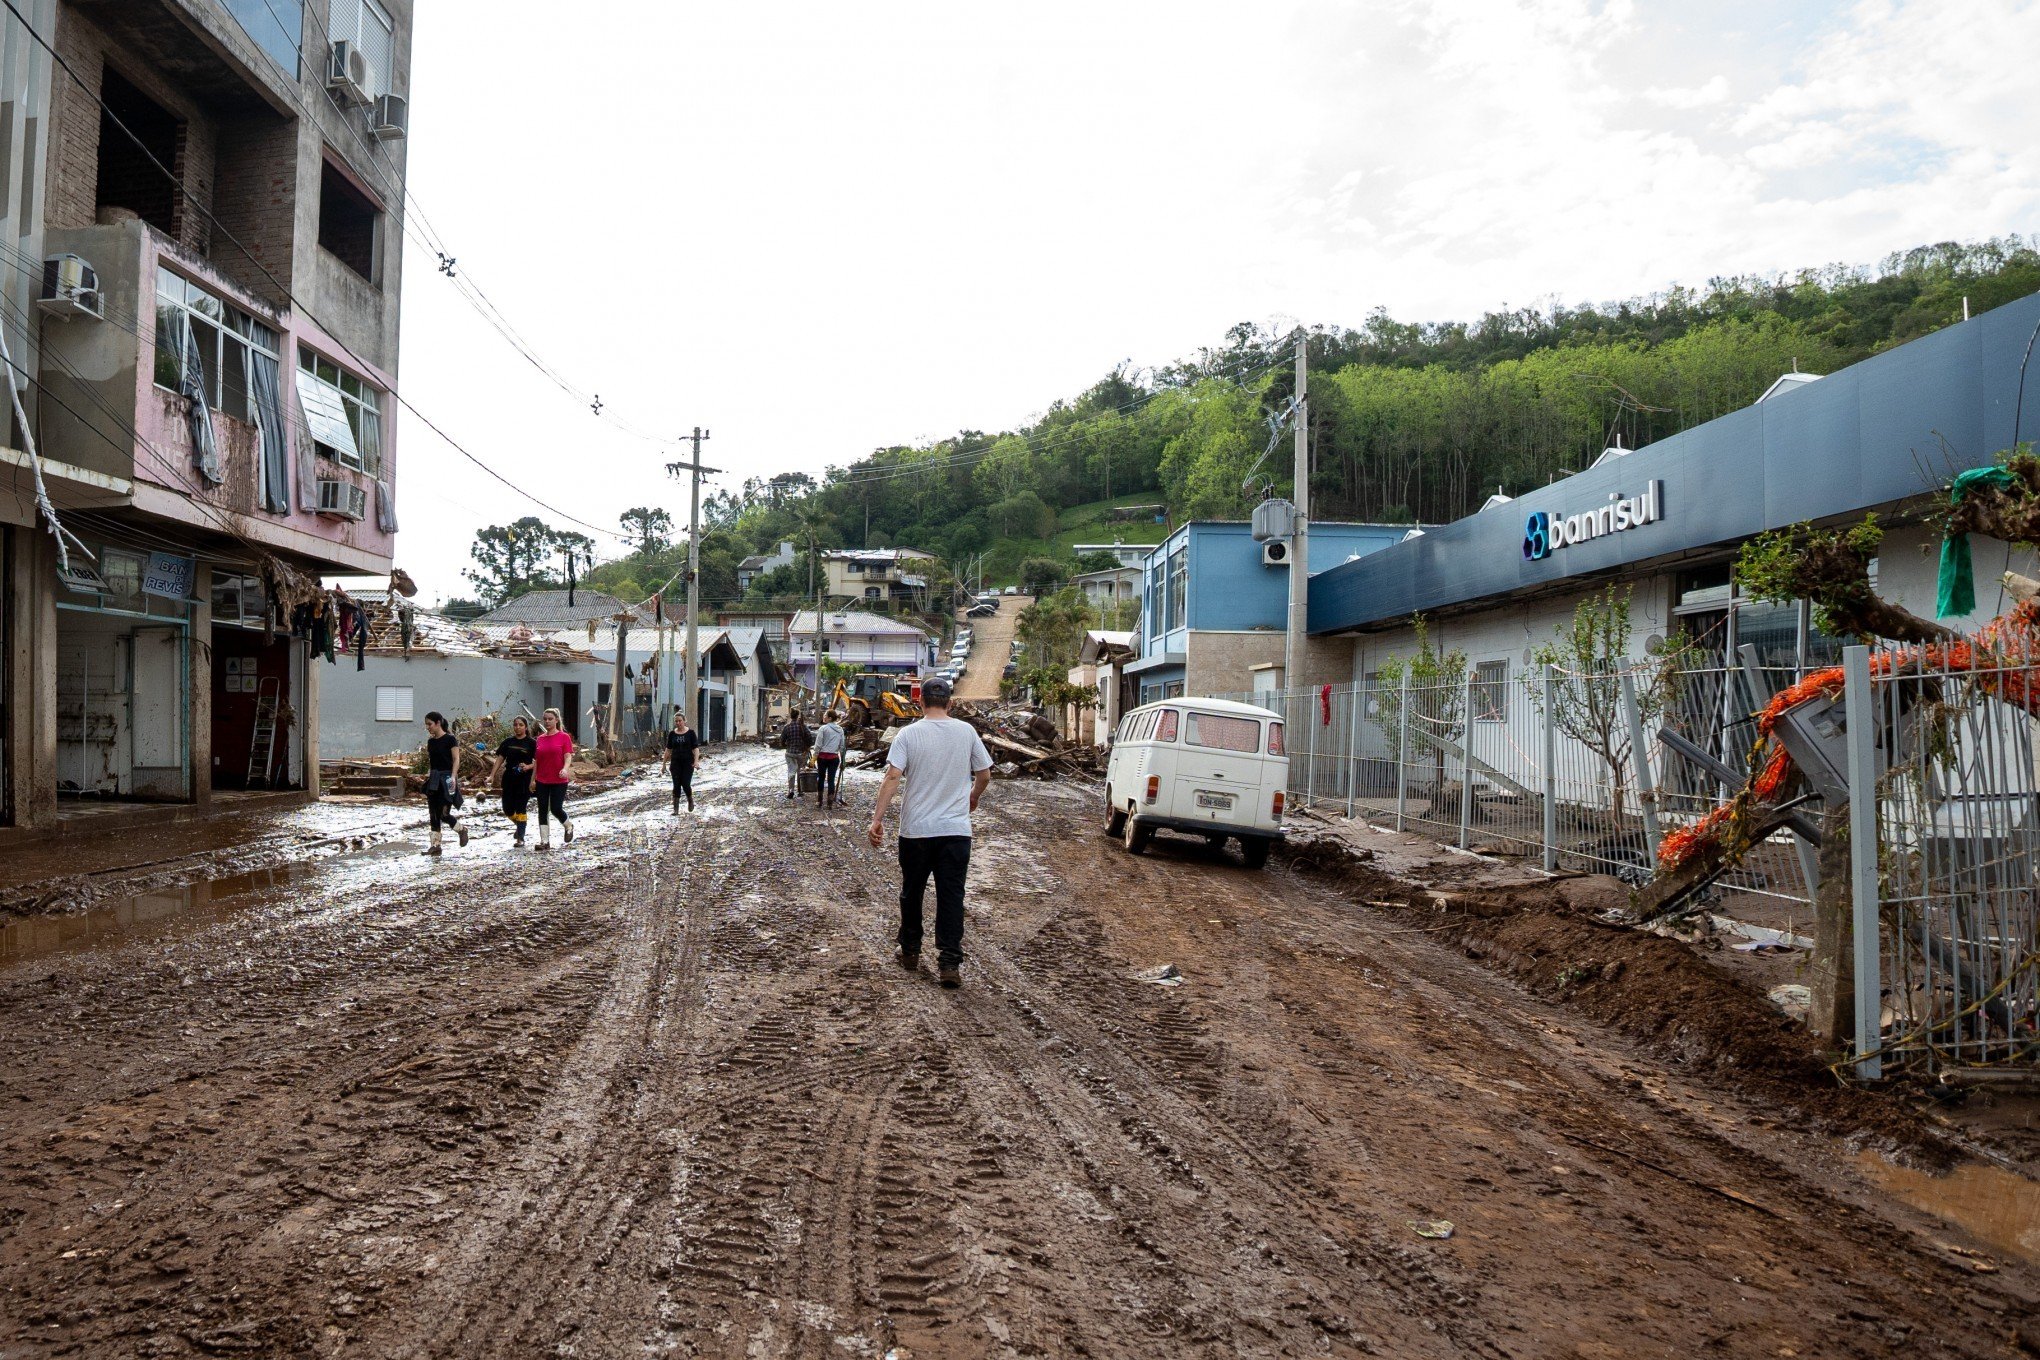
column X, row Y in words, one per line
column 1163, row 975
column 1436, row 1228
column 1795, row 999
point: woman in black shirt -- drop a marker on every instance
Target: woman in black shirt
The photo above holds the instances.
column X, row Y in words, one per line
column 682, row 745
column 516, row 754
column 441, row 751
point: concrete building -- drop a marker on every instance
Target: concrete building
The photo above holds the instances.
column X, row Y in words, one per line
column 1101, row 667
column 218, row 339
column 870, row 642
column 1213, row 606
column 877, row 577
column 1103, row 589
column 1125, row 554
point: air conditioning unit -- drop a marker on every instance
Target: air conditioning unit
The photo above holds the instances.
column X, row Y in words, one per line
column 389, row 118
column 1275, row 553
column 342, row 500
column 349, row 76
column 70, row 287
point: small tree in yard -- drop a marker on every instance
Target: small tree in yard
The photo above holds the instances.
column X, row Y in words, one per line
column 1587, row 657
column 1437, row 699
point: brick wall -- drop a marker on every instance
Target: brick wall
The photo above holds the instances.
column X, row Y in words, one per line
column 74, row 126
column 256, row 202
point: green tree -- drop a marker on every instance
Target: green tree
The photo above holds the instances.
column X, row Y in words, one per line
column 1588, row 655
column 510, row 559
column 1437, row 701
column 652, row 529
column 1040, row 573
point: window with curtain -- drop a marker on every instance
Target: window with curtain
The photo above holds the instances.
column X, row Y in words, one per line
column 225, row 339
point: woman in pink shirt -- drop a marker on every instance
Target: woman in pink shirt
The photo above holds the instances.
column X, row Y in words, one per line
column 550, row 779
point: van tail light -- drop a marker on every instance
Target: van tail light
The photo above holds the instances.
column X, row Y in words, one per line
column 1154, row 787
column 1278, row 805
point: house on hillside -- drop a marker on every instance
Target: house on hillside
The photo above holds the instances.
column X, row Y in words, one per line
column 1214, row 604
column 772, row 624
column 213, row 447
column 870, row 642
column 1103, row 589
column 757, row 564
column 874, row 577
column 1125, row 554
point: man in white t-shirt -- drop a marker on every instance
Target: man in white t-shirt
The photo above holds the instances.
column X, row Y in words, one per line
column 946, row 768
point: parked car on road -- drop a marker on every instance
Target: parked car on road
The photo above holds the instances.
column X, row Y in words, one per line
column 1198, row 767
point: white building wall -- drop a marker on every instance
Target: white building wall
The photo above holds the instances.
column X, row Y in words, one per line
column 461, row 687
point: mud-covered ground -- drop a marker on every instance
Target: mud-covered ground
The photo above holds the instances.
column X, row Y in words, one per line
column 665, row 1092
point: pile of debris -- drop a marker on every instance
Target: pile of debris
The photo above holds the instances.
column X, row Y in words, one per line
column 1022, row 741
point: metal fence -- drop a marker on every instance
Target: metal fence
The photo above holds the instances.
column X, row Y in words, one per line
column 1947, row 765
column 1565, row 769
column 1591, row 770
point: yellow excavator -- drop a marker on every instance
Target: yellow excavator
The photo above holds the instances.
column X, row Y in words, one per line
column 876, row 698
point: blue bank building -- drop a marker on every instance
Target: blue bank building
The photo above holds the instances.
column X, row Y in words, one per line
column 1214, row 603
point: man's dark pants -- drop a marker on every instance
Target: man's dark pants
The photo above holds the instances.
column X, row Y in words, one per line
column 948, row 859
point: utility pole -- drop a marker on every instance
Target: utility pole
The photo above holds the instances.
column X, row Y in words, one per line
column 1299, row 543
column 690, row 673
column 615, row 734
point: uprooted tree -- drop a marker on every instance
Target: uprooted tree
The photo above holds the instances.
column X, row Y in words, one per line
column 1830, row 568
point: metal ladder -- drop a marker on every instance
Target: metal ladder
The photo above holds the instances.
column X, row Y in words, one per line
column 262, row 743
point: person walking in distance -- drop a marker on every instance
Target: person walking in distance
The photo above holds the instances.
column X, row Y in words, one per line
column 550, row 778
column 442, row 787
column 829, row 743
column 516, row 754
column 682, row 745
column 799, row 741
column 945, row 767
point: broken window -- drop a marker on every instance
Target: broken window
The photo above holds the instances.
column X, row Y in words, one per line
column 329, row 395
column 128, row 177
column 350, row 226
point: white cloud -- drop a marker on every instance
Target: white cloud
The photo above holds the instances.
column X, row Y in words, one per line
column 818, row 228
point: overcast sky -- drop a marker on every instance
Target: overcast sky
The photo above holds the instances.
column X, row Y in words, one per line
column 817, row 228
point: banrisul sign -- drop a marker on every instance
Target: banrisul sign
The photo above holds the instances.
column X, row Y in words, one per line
column 1545, row 533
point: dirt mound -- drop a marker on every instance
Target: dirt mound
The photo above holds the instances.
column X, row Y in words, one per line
column 1650, row 988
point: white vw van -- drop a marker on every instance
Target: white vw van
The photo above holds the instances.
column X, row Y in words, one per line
column 1201, row 767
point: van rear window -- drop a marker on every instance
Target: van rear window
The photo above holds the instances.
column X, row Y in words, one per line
column 1167, row 730
column 1274, row 738
column 1222, row 733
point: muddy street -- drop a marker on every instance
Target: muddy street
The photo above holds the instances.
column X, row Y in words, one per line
column 665, row 1091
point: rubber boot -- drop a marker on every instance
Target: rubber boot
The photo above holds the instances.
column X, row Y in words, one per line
column 566, row 832
column 518, row 823
column 545, row 835
column 460, row 830
column 434, row 848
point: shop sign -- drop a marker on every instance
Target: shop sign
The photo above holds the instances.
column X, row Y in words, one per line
column 169, row 576
column 1545, row 533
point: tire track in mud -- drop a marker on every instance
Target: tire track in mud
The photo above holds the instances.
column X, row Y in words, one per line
column 588, row 1166
column 1143, row 1155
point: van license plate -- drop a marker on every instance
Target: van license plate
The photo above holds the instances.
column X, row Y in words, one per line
column 1221, row 802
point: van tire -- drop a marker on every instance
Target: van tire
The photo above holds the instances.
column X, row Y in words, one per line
column 1136, row 836
column 1254, row 851
column 1115, row 818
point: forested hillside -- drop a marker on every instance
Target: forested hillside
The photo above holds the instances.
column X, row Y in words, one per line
column 1409, row 421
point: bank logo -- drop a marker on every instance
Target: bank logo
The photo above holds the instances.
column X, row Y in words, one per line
column 1545, row 533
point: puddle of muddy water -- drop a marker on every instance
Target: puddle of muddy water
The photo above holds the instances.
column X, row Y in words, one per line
column 206, row 900
column 1993, row 1205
